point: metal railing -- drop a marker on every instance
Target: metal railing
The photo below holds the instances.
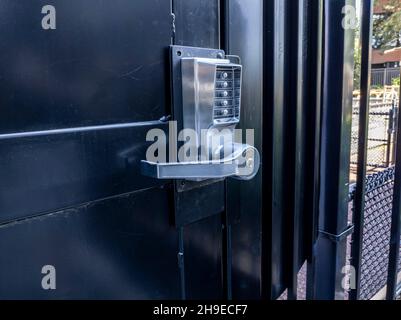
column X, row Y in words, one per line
column 384, row 76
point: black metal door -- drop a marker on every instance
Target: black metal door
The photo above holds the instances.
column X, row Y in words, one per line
column 76, row 101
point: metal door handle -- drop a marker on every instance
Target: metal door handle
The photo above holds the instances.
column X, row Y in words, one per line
column 242, row 164
column 207, row 98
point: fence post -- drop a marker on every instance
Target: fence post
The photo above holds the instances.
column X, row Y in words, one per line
column 359, row 200
column 385, row 77
column 390, row 131
column 394, row 136
column 330, row 247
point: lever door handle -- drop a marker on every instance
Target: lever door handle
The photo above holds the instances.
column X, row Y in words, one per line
column 243, row 163
column 206, row 86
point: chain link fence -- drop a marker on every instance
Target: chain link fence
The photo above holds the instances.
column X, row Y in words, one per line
column 379, row 191
column 380, row 149
column 376, row 231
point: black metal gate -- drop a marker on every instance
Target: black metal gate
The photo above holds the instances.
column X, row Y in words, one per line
column 78, row 98
column 76, row 103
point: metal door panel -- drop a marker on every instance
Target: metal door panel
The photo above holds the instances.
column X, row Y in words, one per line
column 117, row 248
column 197, row 24
column 104, row 63
column 48, row 172
column 203, row 259
column 76, row 103
column 245, row 39
column 73, row 197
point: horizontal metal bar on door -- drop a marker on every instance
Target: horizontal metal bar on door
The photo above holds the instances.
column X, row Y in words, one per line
column 25, row 134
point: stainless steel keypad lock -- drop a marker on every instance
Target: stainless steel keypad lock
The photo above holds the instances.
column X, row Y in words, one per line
column 207, row 107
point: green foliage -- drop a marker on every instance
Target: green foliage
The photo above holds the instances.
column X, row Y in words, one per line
column 396, row 82
column 387, row 27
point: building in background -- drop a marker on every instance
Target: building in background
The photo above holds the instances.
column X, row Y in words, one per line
column 386, row 55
